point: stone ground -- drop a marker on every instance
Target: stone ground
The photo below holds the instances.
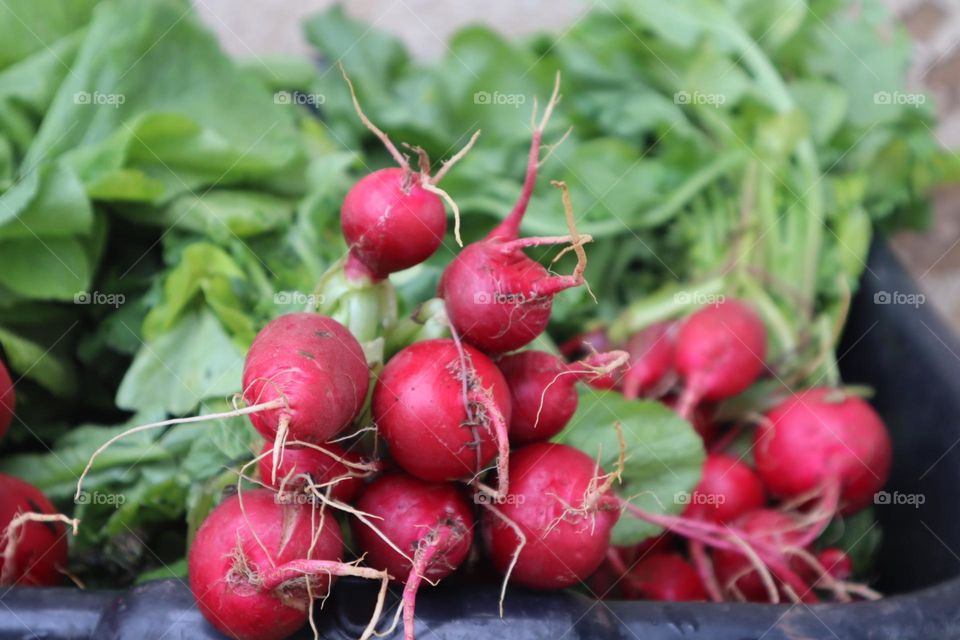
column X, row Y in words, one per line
column 251, row 27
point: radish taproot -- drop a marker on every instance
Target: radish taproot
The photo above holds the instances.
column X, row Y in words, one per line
column 719, row 352
column 543, row 390
column 329, row 465
column 257, row 564
column 824, row 440
column 8, row 400
column 497, row 298
column 552, row 502
column 33, row 545
column 443, row 409
column 431, row 522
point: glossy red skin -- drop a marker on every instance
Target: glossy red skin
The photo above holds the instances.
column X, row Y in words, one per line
column 536, row 385
column 388, row 227
column 720, row 350
column 8, row 400
column 666, row 577
column 418, row 406
column 651, row 359
column 239, row 609
column 409, row 509
column 41, row 550
column 773, row 527
column 317, row 365
column 544, row 476
column 491, row 298
column 815, row 437
column 321, row 467
column 837, row 563
column 727, row 490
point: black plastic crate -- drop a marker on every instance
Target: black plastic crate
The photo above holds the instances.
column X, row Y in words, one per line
column 903, row 351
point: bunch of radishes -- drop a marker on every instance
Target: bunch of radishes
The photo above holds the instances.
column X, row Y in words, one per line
column 750, row 531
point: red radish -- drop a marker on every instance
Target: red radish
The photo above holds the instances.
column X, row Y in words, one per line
column 7, row 400
column 497, row 298
column 595, row 341
column 431, row 522
column 32, row 553
column 390, row 222
column 727, row 490
column 443, row 412
column 253, row 559
column 334, row 466
column 663, row 576
column 824, row 440
column 552, row 500
column 779, row 531
column 394, row 218
column 719, row 352
column 651, row 358
column 837, row 563
column 543, row 390
column 315, row 368
column 701, row 418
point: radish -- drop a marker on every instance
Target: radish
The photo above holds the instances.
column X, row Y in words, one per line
column 824, row 440
column 33, row 548
column 663, row 576
column 256, row 565
column 314, row 368
column 719, row 352
column 443, row 411
column 8, row 400
column 594, row 341
column 727, row 490
column 431, row 522
column 552, row 505
column 701, row 419
column 651, row 359
column 497, row 298
column 837, row 563
column 543, row 390
column 394, row 218
column 327, row 466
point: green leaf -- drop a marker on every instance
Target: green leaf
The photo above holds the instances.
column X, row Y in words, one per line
column 664, row 454
column 174, row 372
column 38, row 363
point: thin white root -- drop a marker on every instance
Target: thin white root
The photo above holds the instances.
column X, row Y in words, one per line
column 448, row 164
column 266, row 406
column 12, row 533
column 384, row 138
column 362, row 517
column 432, row 188
column 516, row 554
column 575, row 244
column 758, row 566
column 279, row 444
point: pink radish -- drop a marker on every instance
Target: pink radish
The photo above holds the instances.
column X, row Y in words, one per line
column 431, row 522
column 329, row 464
column 33, row 547
column 543, row 390
column 824, row 440
column 497, row 298
column 7, row 400
column 394, row 218
column 314, row 368
column 663, row 576
column 256, row 565
column 551, row 501
column 442, row 411
column 727, row 490
column 719, row 352
column 651, row 359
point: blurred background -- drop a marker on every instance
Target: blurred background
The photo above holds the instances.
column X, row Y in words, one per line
column 251, row 27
